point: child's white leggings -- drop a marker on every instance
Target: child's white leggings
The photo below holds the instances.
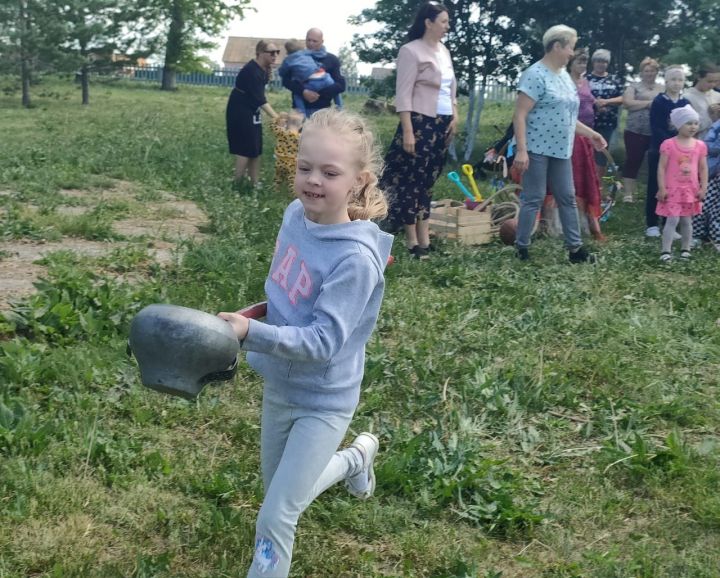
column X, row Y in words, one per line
column 669, row 229
column 299, row 460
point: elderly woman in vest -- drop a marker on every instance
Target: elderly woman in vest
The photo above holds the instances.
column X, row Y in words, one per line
column 425, row 100
column 637, row 100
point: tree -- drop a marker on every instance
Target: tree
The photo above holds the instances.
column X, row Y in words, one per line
column 90, row 38
column 182, row 27
column 349, row 61
column 700, row 42
column 631, row 30
column 23, row 39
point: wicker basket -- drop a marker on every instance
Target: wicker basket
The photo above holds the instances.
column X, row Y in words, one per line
column 452, row 220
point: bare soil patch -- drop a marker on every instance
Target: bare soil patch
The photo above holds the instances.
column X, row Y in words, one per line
column 162, row 224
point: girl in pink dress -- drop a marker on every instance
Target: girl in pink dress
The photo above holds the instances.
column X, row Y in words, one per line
column 682, row 180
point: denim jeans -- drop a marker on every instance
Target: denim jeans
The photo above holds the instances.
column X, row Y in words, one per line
column 299, row 461
column 558, row 173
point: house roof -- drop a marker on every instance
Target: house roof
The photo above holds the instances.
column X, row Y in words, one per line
column 241, row 49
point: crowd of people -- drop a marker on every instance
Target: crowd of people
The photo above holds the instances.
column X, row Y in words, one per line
column 326, row 279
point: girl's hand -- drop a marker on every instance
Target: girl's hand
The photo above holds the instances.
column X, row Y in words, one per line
column 238, row 323
column 702, row 194
column 521, row 162
column 661, row 194
column 409, row 143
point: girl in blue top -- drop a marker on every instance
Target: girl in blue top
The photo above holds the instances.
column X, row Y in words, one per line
column 324, row 293
column 545, row 124
column 661, row 129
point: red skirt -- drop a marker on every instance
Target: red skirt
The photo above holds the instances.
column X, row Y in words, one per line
column 585, row 179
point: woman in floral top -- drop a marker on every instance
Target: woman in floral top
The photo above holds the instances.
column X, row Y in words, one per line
column 608, row 92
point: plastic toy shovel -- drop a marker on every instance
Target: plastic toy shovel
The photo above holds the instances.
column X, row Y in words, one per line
column 468, row 170
column 455, row 178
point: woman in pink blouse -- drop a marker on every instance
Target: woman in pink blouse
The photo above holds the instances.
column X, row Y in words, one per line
column 425, row 100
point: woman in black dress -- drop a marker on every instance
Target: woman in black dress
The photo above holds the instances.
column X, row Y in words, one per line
column 244, row 128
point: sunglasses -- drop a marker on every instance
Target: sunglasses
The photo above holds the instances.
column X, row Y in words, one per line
column 273, row 52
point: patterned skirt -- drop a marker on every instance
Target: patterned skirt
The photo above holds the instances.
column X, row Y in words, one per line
column 706, row 225
column 408, row 179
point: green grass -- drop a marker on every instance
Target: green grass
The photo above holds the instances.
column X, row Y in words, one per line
column 537, row 419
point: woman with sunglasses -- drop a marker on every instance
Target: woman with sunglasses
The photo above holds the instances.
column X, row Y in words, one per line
column 247, row 99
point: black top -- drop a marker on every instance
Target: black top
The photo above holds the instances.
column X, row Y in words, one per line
column 250, row 83
column 660, row 109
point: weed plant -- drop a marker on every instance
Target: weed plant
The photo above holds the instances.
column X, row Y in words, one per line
column 537, row 419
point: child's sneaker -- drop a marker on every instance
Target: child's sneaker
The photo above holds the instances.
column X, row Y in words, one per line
column 685, row 255
column 362, row 484
column 665, row 257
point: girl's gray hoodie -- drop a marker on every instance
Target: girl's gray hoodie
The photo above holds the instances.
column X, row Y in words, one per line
column 324, row 293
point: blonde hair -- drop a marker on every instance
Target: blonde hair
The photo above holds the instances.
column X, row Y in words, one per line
column 558, row 33
column 293, row 45
column 261, row 46
column 647, row 61
column 367, row 201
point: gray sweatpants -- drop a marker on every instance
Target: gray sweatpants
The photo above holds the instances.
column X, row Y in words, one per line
column 299, row 460
column 558, row 173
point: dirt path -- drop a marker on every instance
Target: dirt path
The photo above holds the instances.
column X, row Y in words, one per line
column 159, row 225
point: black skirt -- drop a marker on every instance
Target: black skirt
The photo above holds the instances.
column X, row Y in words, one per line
column 244, row 128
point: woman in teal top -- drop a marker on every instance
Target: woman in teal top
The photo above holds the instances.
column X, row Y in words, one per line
column 545, row 124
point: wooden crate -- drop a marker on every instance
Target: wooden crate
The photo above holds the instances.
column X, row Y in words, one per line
column 451, row 220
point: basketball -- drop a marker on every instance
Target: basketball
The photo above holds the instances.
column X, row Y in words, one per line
column 507, row 231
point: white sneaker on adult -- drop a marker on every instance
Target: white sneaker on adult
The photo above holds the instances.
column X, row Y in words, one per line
column 362, row 484
column 696, row 243
column 676, row 236
column 652, row 232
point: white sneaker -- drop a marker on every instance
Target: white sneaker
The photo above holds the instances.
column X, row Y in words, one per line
column 362, row 484
column 696, row 243
column 676, row 236
column 665, row 257
column 717, row 247
column 652, row 232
